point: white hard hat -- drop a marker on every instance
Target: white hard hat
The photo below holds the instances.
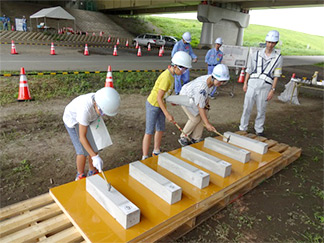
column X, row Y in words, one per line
column 181, row 58
column 221, row 73
column 219, row 40
column 272, row 36
column 108, row 100
column 187, row 37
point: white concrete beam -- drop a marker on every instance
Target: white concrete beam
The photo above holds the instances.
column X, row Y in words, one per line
column 118, row 206
column 247, row 143
column 158, row 184
column 184, row 170
column 227, row 149
column 207, row 161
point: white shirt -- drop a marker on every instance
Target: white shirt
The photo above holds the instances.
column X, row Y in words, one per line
column 80, row 110
column 198, row 91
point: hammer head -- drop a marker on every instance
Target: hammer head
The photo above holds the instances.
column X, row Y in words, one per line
column 228, row 138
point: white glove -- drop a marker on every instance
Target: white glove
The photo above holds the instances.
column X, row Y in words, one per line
column 97, row 162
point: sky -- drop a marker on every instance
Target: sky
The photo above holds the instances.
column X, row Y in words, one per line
column 307, row 20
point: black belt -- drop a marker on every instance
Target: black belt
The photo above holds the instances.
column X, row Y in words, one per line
column 268, row 82
column 211, row 65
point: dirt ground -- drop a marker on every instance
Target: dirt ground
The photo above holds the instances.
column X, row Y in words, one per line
column 36, row 154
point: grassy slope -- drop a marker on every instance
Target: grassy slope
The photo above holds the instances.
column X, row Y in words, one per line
column 292, row 42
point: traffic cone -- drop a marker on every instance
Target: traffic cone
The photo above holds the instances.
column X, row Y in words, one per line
column 127, row 43
column 160, row 52
column 12, row 28
column 100, row 34
column 13, row 48
column 93, row 34
column 163, row 49
column 117, row 43
column 242, row 74
column 139, row 52
column 109, row 78
column 52, row 49
column 23, row 93
column 115, row 51
column 86, row 51
column 109, row 39
column 136, row 45
column 149, row 47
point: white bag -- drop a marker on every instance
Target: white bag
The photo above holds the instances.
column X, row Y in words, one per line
column 290, row 94
column 100, row 134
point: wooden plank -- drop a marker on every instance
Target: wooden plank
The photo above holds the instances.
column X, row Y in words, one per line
column 68, row 235
column 26, row 205
column 281, row 147
column 118, row 206
column 161, row 186
column 34, row 232
column 21, row 221
column 207, row 161
column 184, row 170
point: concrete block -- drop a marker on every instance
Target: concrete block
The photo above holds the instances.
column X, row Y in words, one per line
column 158, row 184
column 247, row 143
column 118, row 206
column 207, row 161
column 227, row 149
column 184, row 170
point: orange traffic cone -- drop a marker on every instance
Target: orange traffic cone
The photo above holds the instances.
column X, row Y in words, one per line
column 242, row 74
column 52, row 49
column 160, row 52
column 109, row 79
column 109, row 39
column 100, row 33
column 13, row 48
column 136, row 45
column 139, row 52
column 117, row 43
column 93, row 34
column 127, row 43
column 86, row 51
column 149, row 47
column 115, row 51
column 23, row 93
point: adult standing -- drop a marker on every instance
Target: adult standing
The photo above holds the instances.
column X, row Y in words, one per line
column 24, row 22
column 5, row 22
column 263, row 71
column 183, row 45
column 214, row 57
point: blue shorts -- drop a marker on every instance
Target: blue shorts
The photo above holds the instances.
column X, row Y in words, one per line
column 76, row 141
column 155, row 118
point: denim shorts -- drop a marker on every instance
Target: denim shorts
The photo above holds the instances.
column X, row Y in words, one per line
column 76, row 141
column 155, row 118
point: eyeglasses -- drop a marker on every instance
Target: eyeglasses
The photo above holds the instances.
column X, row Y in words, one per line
column 181, row 68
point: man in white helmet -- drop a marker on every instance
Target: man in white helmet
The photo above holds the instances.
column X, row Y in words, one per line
column 156, row 110
column 263, row 71
column 198, row 91
column 78, row 115
column 214, row 57
column 183, row 45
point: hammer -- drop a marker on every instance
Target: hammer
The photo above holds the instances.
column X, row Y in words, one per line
column 186, row 135
column 108, row 184
column 227, row 139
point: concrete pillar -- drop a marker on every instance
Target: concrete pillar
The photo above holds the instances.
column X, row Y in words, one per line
column 228, row 23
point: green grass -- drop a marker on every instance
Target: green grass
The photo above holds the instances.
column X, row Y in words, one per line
column 291, row 42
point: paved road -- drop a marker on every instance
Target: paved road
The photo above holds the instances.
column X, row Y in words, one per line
column 37, row 58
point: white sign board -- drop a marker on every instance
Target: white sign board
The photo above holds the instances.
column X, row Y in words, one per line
column 235, row 56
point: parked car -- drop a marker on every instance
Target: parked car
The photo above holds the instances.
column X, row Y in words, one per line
column 153, row 39
column 170, row 41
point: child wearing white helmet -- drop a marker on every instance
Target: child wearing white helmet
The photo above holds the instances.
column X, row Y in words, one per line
column 183, row 45
column 156, row 110
column 78, row 115
column 198, row 90
column 214, row 57
column 262, row 74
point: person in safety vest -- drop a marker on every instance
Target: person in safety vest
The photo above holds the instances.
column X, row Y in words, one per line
column 263, row 71
column 78, row 115
column 156, row 110
column 198, row 91
column 214, row 57
column 183, row 45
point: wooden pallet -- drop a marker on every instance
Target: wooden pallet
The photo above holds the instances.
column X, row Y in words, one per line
column 41, row 219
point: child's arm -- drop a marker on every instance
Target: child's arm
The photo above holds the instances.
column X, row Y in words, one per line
column 203, row 115
column 160, row 96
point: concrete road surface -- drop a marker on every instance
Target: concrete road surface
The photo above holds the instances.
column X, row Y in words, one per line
column 38, row 58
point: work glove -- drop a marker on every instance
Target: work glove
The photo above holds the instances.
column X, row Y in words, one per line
column 97, row 162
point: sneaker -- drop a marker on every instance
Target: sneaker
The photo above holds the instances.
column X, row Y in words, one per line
column 155, row 154
column 144, row 157
column 80, row 176
column 212, row 97
column 92, row 172
column 183, row 142
column 197, row 140
column 261, row 134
